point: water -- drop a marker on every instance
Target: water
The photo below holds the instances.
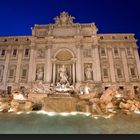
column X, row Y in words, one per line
column 41, row 123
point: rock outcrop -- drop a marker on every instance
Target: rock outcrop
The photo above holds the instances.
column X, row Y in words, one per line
column 101, row 104
column 130, row 106
column 21, row 106
column 107, row 102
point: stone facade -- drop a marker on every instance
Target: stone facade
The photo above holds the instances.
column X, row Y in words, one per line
column 88, row 57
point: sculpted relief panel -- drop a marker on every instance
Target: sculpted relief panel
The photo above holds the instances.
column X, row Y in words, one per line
column 41, row 33
column 87, row 32
column 40, row 53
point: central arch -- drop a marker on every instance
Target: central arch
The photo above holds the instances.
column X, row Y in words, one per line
column 64, row 57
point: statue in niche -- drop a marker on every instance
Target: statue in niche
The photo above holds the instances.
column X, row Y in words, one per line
column 39, row 74
column 88, row 72
column 63, row 75
column 40, row 53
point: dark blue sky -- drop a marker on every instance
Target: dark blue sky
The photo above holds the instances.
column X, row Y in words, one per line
column 110, row 16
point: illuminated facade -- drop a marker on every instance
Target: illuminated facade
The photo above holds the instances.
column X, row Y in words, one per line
column 88, row 57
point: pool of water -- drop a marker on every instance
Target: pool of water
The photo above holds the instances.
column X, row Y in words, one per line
column 41, row 123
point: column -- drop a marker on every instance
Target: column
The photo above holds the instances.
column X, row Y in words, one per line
column 45, row 66
column 125, row 67
column 32, row 65
column 5, row 73
column 78, row 65
column 20, row 51
column 73, row 67
column 93, row 64
column 137, row 60
column 49, row 65
column 97, row 73
column 111, row 62
column 54, row 73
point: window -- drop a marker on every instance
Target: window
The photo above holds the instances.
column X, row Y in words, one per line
column 103, row 52
column 121, row 87
column 1, row 71
column 9, row 90
column 133, row 72
column 116, row 52
column 113, row 37
column 14, row 54
column 119, row 72
column 129, row 52
column 24, row 73
column 106, row 88
column 125, row 37
column 105, row 72
column 5, row 40
column 11, row 73
column 3, row 52
column 101, row 37
column 136, row 90
column 26, row 53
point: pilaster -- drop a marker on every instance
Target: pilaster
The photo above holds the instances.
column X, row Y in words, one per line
column 137, row 58
column 125, row 66
column 5, row 73
column 78, row 64
column 32, row 65
column 48, row 64
column 20, row 51
column 111, row 62
column 97, row 70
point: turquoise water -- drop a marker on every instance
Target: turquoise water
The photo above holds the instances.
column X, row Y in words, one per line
column 74, row 124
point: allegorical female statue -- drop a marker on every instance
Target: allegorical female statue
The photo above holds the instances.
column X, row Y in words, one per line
column 88, row 72
column 40, row 74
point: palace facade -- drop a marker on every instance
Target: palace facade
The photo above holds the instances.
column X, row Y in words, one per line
column 86, row 56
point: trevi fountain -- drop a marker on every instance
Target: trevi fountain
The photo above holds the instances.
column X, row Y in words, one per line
column 68, row 83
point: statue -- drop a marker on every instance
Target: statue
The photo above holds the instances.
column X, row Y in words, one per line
column 63, row 75
column 87, row 89
column 71, row 19
column 88, row 72
column 64, row 19
column 57, row 20
column 39, row 74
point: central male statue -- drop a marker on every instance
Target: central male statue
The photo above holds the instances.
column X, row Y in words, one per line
column 63, row 75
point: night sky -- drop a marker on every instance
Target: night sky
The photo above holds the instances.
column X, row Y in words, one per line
column 111, row 16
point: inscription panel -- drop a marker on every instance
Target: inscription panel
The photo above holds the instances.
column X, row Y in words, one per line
column 64, row 32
